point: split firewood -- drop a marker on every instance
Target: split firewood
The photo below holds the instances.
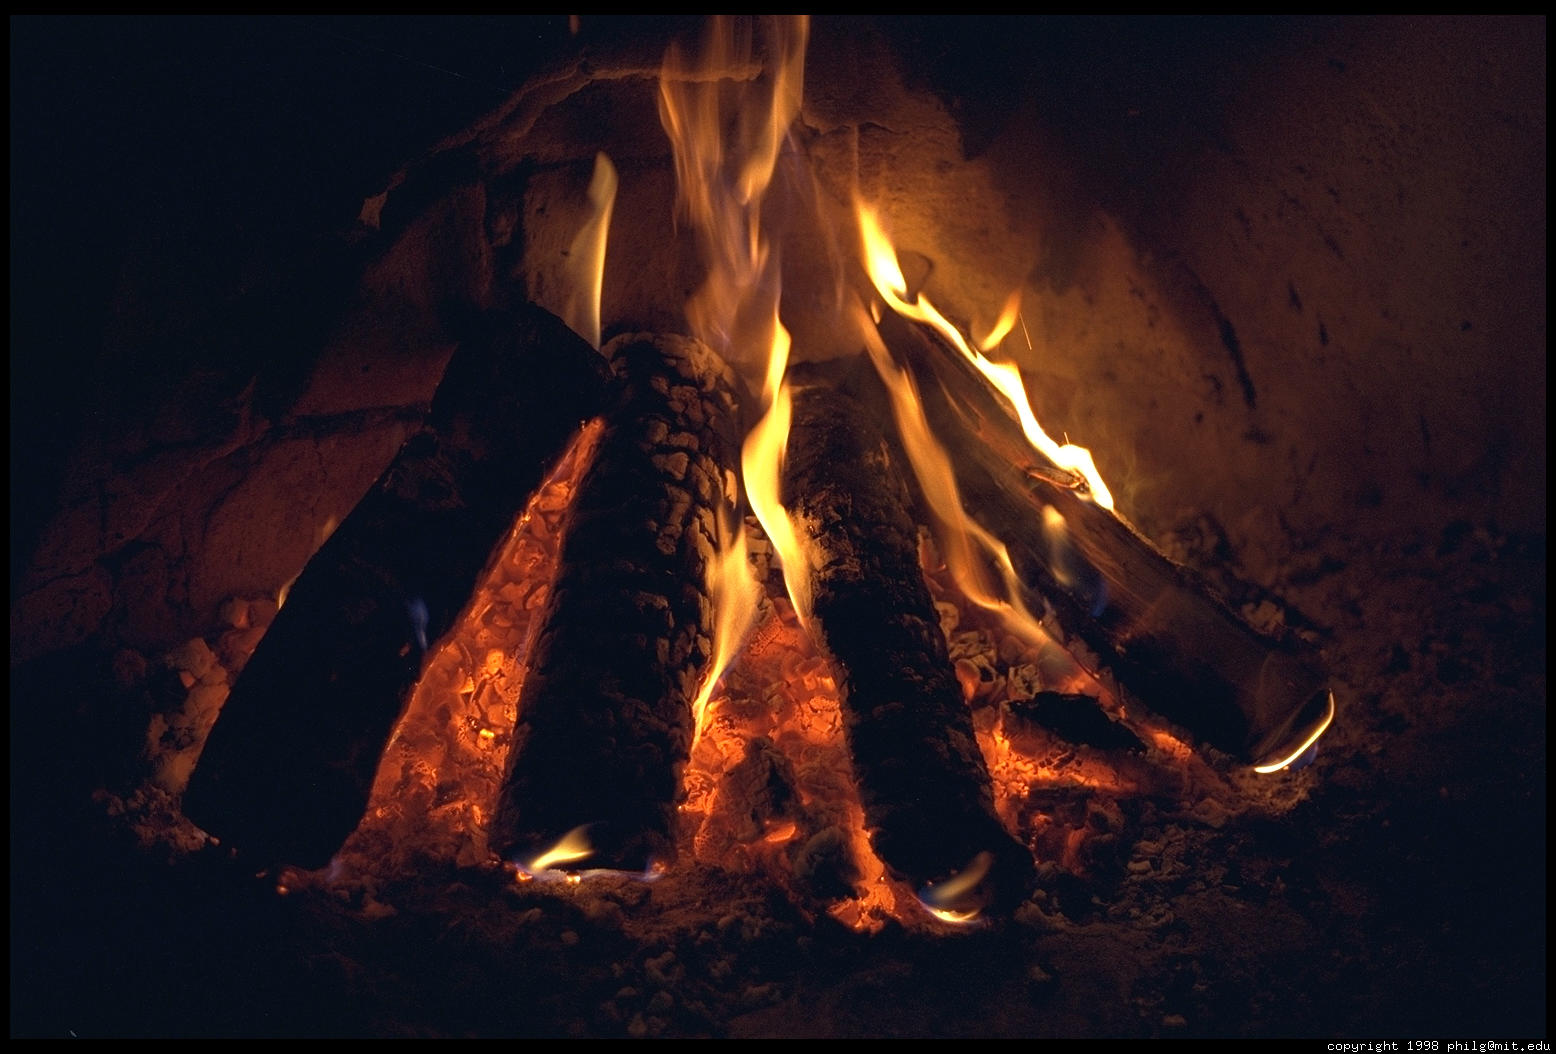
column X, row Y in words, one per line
column 286, row 772
column 922, row 779
column 1158, row 627
column 605, row 719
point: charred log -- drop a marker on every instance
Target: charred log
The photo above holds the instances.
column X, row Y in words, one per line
column 1156, row 625
column 605, row 719
column 926, row 791
column 1075, row 719
column 287, row 770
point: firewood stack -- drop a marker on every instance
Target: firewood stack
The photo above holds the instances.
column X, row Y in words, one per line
column 286, row 772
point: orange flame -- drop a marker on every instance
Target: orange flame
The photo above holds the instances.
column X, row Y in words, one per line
column 886, row 274
column 736, row 595
column 719, row 187
column 968, row 547
column 569, row 849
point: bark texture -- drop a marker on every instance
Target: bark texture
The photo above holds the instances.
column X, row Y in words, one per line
column 605, row 719
column 1158, row 627
column 922, row 779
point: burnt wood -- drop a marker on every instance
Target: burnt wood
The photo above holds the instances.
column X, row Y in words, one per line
column 605, row 719
column 1157, row 626
column 925, row 788
column 286, row 772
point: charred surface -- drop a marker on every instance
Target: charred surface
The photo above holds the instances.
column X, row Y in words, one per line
column 286, row 772
column 605, row 712
column 1162, row 631
column 922, row 779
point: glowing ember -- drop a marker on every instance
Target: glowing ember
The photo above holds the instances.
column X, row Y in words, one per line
column 444, row 763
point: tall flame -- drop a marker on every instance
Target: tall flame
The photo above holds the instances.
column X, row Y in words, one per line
column 762, row 460
column 586, row 261
column 721, row 180
column 886, row 274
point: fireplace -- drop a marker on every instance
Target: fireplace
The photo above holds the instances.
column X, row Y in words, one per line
column 1233, row 280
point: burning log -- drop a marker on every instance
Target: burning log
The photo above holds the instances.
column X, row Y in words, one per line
column 287, row 770
column 922, row 779
column 1157, row 626
column 605, row 718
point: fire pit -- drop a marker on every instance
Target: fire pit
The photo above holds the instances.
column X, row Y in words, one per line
column 774, row 655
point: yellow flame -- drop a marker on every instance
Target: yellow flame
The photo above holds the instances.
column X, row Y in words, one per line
column 939, row 899
column 736, row 594
column 886, row 274
column 586, row 259
column 967, row 547
column 719, row 184
column 571, row 848
column 726, row 136
column 762, row 460
column 1323, row 726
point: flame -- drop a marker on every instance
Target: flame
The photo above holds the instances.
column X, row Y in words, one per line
column 886, row 274
column 968, row 547
column 569, row 849
column 940, row 899
column 735, row 595
column 762, row 460
column 720, row 185
column 586, row 259
column 1306, row 744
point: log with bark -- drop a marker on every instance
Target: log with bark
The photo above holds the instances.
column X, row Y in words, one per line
column 925, row 788
column 605, row 720
column 286, row 772
column 1157, row 626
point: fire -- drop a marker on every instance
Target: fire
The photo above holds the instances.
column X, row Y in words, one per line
column 886, row 274
column 769, row 785
column 736, row 596
column 969, row 548
column 570, row 849
column 586, row 268
column 1302, row 749
column 762, row 458
column 720, row 187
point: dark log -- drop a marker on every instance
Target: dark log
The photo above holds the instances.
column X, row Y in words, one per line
column 286, row 772
column 1157, row 626
column 922, row 780
column 605, row 718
